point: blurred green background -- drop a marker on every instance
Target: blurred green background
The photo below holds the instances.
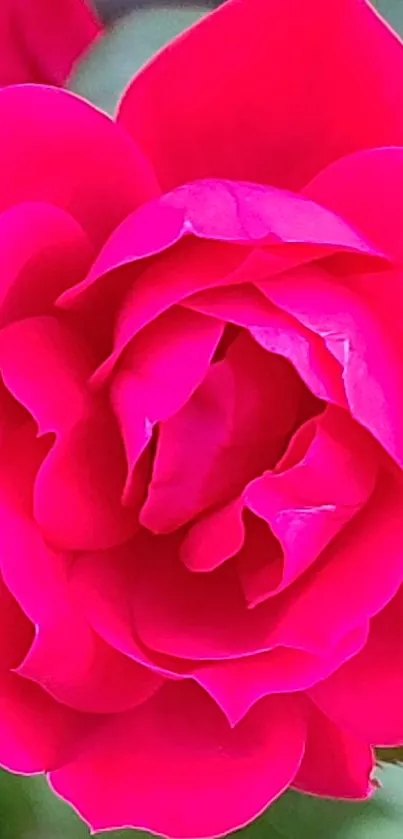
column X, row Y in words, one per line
column 28, row 810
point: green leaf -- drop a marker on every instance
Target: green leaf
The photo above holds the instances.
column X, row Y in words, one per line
column 392, row 11
column 104, row 72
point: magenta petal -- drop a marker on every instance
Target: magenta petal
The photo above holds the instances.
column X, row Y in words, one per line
column 234, row 425
column 34, row 354
column 39, row 42
column 160, row 369
column 335, row 763
column 236, row 685
column 276, row 332
column 359, row 328
column 356, row 186
column 101, row 585
column 211, row 778
column 79, row 159
column 237, row 213
column 282, row 113
column 36, row 733
column 352, row 572
column 42, row 250
column 17, row 631
column 366, row 695
column 215, row 537
column 79, row 486
column 80, row 670
column 307, row 503
column 66, row 658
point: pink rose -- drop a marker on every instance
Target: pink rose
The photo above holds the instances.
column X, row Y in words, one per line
column 41, row 39
column 201, row 431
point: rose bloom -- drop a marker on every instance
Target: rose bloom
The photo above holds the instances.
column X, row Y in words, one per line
column 40, row 40
column 201, row 489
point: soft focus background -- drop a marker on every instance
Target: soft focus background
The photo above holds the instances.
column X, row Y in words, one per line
column 28, row 810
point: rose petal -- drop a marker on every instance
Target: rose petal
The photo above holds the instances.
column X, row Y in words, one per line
column 16, row 630
column 236, row 213
column 78, row 159
column 304, row 67
column 366, row 695
column 211, row 778
column 276, row 332
column 204, row 616
column 42, row 250
column 307, row 503
column 37, row 733
column 357, row 185
column 40, row 41
column 214, row 538
column 359, row 332
column 235, row 424
column 335, row 764
column 66, row 658
column 101, row 584
column 78, row 488
column 160, row 370
column 35, row 355
column 238, row 684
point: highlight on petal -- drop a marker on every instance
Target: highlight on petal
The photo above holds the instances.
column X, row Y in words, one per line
column 289, row 226
column 308, row 502
column 352, row 572
column 211, row 778
column 355, row 320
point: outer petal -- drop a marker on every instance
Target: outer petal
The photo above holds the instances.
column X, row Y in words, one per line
column 77, row 158
column 211, row 779
column 366, row 695
column 37, row 733
column 335, row 764
column 67, row 658
column 40, row 40
column 304, row 66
